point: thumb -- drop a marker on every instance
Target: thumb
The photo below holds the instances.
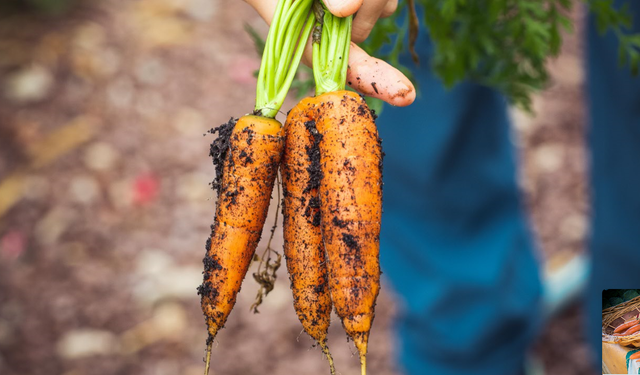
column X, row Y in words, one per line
column 343, row 8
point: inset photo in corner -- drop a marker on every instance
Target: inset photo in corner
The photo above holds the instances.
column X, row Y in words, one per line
column 621, row 331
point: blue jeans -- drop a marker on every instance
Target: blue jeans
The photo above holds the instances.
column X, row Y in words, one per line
column 455, row 242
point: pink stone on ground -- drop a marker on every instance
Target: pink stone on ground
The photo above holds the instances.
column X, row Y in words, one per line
column 12, row 244
column 145, row 189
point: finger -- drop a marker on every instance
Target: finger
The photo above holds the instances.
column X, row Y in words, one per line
column 374, row 77
column 389, row 9
column 343, row 8
column 367, row 16
column 265, row 8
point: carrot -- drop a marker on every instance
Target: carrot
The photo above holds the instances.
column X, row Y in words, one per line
column 351, row 208
column 244, row 190
column 626, row 325
column 631, row 330
column 635, row 356
column 303, row 247
column 247, row 155
column 351, row 186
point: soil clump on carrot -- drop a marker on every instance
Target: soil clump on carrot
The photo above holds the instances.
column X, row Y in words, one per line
column 315, row 172
column 218, row 150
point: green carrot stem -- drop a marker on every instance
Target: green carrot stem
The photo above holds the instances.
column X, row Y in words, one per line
column 290, row 29
column 294, row 29
column 331, row 53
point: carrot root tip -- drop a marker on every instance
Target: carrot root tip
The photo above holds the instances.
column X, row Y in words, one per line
column 207, row 361
column 325, row 350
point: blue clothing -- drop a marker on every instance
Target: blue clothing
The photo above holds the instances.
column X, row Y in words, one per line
column 455, row 242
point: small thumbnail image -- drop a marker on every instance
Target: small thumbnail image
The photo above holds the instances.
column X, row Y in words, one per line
column 621, row 331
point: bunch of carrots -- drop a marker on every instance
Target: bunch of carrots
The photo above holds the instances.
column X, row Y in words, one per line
column 628, row 328
column 330, row 159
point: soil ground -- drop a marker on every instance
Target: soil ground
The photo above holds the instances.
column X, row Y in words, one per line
column 105, row 204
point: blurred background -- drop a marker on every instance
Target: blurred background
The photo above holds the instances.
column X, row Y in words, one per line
column 105, row 204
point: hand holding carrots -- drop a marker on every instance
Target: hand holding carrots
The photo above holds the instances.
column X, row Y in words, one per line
column 368, row 75
column 330, row 157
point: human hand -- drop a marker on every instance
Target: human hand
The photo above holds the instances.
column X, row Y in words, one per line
column 368, row 75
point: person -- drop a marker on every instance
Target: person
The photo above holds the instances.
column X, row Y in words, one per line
column 455, row 241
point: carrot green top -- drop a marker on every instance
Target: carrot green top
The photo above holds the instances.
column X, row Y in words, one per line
column 331, row 43
column 290, row 29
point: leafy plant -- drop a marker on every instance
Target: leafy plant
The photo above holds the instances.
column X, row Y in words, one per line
column 500, row 43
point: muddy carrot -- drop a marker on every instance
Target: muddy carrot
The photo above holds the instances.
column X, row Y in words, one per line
column 247, row 153
column 248, row 175
column 351, row 185
column 351, row 208
column 303, row 246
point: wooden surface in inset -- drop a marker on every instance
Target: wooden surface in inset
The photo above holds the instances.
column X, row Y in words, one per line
column 614, row 358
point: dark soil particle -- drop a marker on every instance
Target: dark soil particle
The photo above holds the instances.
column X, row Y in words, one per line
column 373, row 84
column 218, row 150
column 319, row 288
column 347, row 165
column 373, row 114
column 207, row 290
column 355, row 292
column 339, row 223
column 232, row 195
column 351, row 241
column 247, row 158
column 210, row 263
column 314, row 202
column 250, row 137
column 363, row 110
column 316, row 219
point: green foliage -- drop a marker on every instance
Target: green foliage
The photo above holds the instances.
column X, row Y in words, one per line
column 500, row 43
column 612, row 297
column 630, row 294
column 51, row 6
column 44, row 7
column 615, row 301
column 617, row 20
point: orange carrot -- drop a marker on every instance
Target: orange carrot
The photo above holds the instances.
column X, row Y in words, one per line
column 303, row 247
column 631, row 330
column 245, row 181
column 248, row 158
column 635, row 356
column 351, row 207
column 625, row 325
